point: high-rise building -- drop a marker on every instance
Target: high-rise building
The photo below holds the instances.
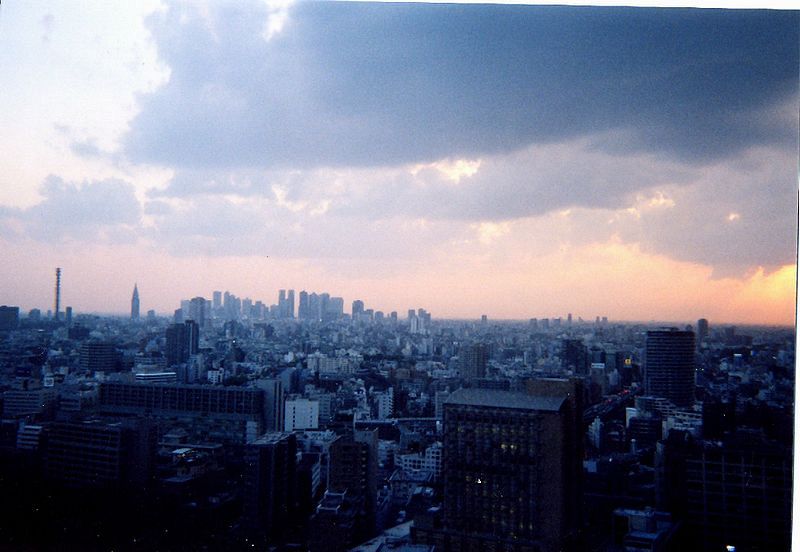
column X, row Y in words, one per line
column 474, row 359
column 197, row 311
column 135, row 303
column 735, row 492
column 354, row 469
column 512, row 466
column 271, row 478
column 358, row 308
column 68, row 315
column 282, row 307
column 216, row 299
column 670, row 365
column 702, row 330
column 182, row 341
column 302, row 306
column 290, row 304
column 574, row 356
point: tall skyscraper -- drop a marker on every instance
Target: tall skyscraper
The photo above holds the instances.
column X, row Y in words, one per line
column 302, row 307
column 197, row 311
column 358, row 308
column 669, row 365
column 702, row 331
column 135, row 303
column 282, row 308
column 56, row 312
column 290, row 304
column 512, row 466
column 183, row 340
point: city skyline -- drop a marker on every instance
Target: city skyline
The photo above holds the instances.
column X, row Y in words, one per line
column 515, row 161
column 274, row 310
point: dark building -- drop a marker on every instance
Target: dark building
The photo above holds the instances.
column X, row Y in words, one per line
column 512, row 469
column 333, row 526
column 270, row 484
column 354, row 468
column 474, row 359
column 9, row 318
column 225, row 414
column 99, row 356
column 183, row 340
column 735, row 492
column 702, row 330
column 99, row 453
column 719, row 416
column 574, row 356
column 670, row 365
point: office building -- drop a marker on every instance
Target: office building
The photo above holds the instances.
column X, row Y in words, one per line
column 512, row 466
column 670, row 365
column 734, row 492
column 99, row 453
column 270, row 484
column 182, row 341
column 197, row 311
column 354, row 469
column 301, row 414
column 99, row 356
column 574, row 356
column 474, row 359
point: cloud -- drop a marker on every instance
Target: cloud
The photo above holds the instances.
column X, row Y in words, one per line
column 389, row 84
column 104, row 211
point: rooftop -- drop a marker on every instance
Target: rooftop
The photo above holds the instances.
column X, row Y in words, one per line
column 505, row 399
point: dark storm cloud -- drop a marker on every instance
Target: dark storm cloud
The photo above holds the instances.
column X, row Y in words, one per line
column 96, row 211
column 381, row 84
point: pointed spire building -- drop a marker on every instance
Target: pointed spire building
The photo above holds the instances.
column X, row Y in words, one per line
column 135, row 303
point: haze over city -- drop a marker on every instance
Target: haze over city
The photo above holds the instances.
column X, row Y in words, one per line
column 514, row 161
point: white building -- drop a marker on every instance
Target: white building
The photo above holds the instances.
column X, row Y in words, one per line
column 300, row 413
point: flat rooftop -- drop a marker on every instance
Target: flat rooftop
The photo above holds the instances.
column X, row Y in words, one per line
column 505, row 399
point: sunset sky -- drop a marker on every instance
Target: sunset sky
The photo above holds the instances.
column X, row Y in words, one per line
column 514, row 161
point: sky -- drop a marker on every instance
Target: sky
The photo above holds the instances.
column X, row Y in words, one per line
column 509, row 160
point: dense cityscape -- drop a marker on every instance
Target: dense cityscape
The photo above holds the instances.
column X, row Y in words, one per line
column 423, row 276
column 237, row 424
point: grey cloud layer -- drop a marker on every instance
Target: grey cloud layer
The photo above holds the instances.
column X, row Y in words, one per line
column 105, row 211
column 360, row 84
